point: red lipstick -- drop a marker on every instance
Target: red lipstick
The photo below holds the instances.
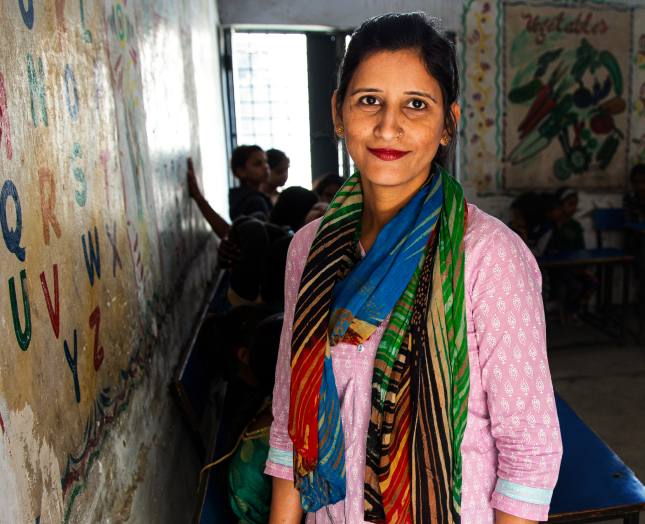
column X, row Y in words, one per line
column 388, row 154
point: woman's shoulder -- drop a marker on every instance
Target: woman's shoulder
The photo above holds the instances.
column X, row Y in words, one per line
column 489, row 243
column 301, row 243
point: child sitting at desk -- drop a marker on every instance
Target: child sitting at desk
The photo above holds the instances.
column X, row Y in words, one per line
column 579, row 284
column 249, row 488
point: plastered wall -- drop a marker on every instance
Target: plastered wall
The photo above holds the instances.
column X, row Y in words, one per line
column 104, row 260
column 333, row 13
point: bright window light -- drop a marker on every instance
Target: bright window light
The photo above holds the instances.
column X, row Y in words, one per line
column 271, row 97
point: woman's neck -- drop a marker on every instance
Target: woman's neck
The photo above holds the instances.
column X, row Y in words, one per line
column 380, row 205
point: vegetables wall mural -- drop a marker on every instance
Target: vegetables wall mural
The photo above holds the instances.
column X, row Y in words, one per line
column 551, row 94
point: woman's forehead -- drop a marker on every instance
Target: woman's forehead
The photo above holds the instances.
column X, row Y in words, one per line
column 404, row 69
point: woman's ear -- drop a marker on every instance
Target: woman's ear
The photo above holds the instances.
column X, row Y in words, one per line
column 338, row 118
column 456, row 110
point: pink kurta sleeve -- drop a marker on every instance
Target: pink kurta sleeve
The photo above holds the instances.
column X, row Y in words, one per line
column 279, row 463
column 511, row 334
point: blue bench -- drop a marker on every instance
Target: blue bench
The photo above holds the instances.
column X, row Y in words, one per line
column 594, row 484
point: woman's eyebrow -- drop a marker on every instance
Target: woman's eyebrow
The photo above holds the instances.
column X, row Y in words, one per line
column 421, row 93
column 366, row 90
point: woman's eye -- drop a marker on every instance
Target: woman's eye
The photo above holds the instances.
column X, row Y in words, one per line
column 369, row 100
column 417, row 104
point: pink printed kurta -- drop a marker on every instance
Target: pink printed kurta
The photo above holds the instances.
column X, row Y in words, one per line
column 511, row 449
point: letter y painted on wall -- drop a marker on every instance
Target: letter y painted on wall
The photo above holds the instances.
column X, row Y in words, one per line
column 72, row 362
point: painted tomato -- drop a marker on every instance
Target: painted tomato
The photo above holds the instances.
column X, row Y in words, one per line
column 602, row 124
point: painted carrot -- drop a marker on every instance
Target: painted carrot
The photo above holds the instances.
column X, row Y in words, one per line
column 542, row 97
column 537, row 117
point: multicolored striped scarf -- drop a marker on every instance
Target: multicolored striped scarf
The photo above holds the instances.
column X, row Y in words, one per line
column 415, row 270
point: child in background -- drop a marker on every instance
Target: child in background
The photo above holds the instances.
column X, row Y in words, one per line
column 279, row 165
column 254, row 238
column 634, row 201
column 250, row 167
column 248, row 487
column 327, row 186
column 235, row 336
column 579, row 284
column 567, row 233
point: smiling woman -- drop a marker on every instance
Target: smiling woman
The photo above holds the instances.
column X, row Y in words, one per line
column 396, row 399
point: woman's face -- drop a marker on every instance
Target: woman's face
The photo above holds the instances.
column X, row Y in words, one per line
column 279, row 174
column 391, row 94
column 256, row 170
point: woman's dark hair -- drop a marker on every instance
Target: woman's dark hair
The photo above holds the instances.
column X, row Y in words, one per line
column 638, row 169
column 530, row 206
column 241, row 155
column 292, row 207
column 275, row 156
column 400, row 32
column 327, row 180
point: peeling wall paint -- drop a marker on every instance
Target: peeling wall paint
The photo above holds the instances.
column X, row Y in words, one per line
column 104, row 260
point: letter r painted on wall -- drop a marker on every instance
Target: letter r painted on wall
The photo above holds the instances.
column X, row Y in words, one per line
column 37, row 90
column 48, row 202
column 94, row 260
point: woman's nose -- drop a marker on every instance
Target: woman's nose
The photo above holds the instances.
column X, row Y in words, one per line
column 388, row 127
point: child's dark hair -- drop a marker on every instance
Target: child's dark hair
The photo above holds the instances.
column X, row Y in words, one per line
column 235, row 330
column 529, row 205
column 638, row 169
column 401, row 32
column 327, row 180
column 292, row 207
column 275, row 157
column 241, row 155
column 263, row 354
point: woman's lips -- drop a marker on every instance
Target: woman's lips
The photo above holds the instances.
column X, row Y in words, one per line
column 387, row 154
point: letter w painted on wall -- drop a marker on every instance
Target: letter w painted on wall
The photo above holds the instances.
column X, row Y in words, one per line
column 37, row 90
column 94, row 260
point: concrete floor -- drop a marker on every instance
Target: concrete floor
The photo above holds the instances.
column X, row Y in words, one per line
column 605, row 384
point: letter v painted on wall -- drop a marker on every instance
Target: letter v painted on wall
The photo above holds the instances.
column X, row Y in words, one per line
column 54, row 310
